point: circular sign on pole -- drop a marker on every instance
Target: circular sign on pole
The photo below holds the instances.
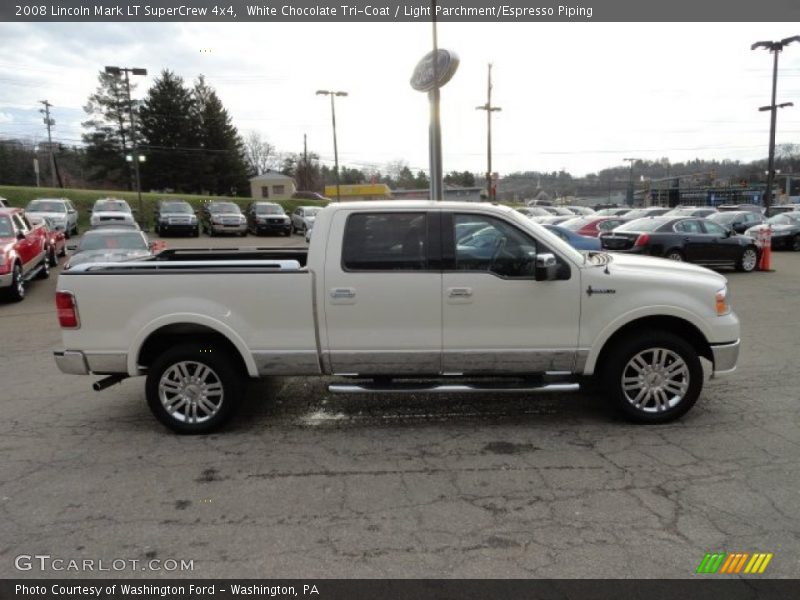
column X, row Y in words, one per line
column 423, row 80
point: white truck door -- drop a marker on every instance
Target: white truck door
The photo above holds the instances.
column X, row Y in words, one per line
column 496, row 317
column 382, row 293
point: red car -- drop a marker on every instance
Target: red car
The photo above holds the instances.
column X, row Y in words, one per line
column 592, row 225
column 23, row 252
column 56, row 239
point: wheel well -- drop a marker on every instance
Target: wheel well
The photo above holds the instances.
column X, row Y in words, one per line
column 180, row 333
column 676, row 325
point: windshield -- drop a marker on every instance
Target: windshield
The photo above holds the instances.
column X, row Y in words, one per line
column 269, row 209
column 646, row 224
column 6, row 230
column 312, row 212
column 176, row 207
column 576, row 223
column 112, row 241
column 112, row 206
column 725, row 218
column 47, row 206
column 228, row 208
column 781, row 220
column 643, row 212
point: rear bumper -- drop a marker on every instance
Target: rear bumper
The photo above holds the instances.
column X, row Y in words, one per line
column 725, row 357
column 75, row 362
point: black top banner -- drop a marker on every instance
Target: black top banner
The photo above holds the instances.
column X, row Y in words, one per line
column 505, row 11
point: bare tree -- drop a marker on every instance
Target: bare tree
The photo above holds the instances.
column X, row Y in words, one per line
column 260, row 154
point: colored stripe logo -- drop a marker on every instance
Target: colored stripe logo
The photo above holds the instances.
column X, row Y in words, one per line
column 732, row 563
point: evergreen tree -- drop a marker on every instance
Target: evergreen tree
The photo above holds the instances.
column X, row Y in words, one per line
column 108, row 138
column 170, row 131
column 224, row 167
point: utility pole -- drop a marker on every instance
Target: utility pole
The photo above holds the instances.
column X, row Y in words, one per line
column 49, row 123
column 629, row 196
column 490, row 191
column 332, row 93
column 305, row 149
column 775, row 48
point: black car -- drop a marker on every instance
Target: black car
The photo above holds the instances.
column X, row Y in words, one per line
column 785, row 231
column 686, row 239
column 268, row 217
column 223, row 217
column 737, row 221
column 175, row 216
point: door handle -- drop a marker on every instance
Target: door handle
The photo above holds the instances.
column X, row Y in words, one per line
column 686, row 239
column 459, row 292
column 343, row 293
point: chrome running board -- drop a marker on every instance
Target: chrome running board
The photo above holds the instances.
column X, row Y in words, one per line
column 439, row 388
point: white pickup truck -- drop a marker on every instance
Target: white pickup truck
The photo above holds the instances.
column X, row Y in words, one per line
column 400, row 297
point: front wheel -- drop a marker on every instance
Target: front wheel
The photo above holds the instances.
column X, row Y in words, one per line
column 44, row 270
column 653, row 377
column 193, row 388
column 796, row 243
column 16, row 292
column 748, row 260
column 675, row 255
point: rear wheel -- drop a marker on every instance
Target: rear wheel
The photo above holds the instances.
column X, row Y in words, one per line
column 748, row 260
column 796, row 243
column 675, row 255
column 653, row 376
column 193, row 388
column 44, row 268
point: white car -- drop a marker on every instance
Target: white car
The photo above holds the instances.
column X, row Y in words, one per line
column 387, row 296
column 109, row 244
column 303, row 218
column 60, row 211
column 111, row 211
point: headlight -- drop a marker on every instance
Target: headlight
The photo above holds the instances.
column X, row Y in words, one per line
column 192, row 219
column 216, row 220
column 721, row 301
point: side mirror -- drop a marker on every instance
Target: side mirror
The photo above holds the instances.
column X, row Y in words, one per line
column 546, row 267
column 728, row 233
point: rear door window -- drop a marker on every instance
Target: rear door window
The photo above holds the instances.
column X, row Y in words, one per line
column 386, row 242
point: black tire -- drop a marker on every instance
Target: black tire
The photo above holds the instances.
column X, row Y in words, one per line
column 680, row 362
column 795, row 246
column 63, row 251
column 304, row 230
column 44, row 269
column 675, row 255
column 222, row 371
column 748, row 260
column 75, row 230
column 52, row 258
column 16, row 292
column 196, row 232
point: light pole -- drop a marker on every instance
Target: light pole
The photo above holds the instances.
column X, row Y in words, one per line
column 629, row 198
column 774, row 47
column 116, row 72
column 489, row 110
column 332, row 93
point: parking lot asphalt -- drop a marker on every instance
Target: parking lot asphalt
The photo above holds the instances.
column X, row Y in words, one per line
column 307, row 484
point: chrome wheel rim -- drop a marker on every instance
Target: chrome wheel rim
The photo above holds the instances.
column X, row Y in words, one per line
column 18, row 282
column 655, row 380
column 749, row 260
column 191, row 392
column 675, row 256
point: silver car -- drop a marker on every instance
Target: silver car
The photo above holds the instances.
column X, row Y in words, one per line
column 108, row 211
column 59, row 210
column 110, row 244
column 303, row 218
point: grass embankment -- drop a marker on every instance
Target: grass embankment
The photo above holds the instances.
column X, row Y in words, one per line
column 84, row 199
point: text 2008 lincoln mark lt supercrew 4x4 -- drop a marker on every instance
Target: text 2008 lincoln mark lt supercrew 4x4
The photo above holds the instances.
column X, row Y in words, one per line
column 399, row 296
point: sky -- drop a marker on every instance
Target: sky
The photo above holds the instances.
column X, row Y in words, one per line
column 574, row 96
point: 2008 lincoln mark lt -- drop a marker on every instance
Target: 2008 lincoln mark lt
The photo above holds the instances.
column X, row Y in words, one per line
column 399, row 296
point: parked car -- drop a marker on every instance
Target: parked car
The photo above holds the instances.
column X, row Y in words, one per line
column 580, row 210
column 614, row 211
column 268, row 217
column 110, row 244
column 56, row 244
column 649, row 211
column 777, row 209
column 592, row 226
column 692, row 240
column 4, row 203
column 534, row 211
column 223, row 217
column 111, row 210
column 23, row 252
column 303, row 218
column 691, row 211
column 785, row 231
column 577, row 241
column 740, row 207
column 175, row 216
column 402, row 307
column 737, row 221
column 306, row 195
column 59, row 210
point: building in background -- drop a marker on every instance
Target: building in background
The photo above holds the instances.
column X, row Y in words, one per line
column 359, row 191
column 272, row 186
